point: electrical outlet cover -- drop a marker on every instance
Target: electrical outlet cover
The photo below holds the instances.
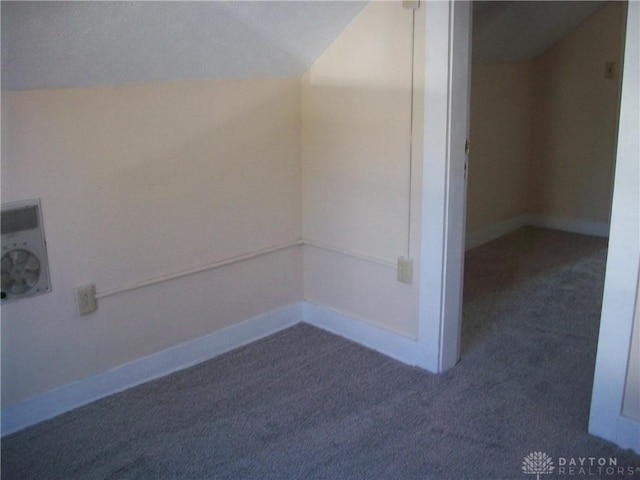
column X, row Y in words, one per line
column 405, row 270
column 86, row 299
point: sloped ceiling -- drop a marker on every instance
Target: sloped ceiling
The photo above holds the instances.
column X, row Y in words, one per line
column 506, row 31
column 69, row 44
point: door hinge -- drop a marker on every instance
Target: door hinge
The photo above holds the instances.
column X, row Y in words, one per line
column 467, row 147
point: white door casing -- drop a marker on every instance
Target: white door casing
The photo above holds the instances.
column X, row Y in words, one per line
column 446, row 129
column 446, row 104
column 621, row 281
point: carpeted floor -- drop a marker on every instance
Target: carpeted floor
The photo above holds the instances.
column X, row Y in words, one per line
column 304, row 404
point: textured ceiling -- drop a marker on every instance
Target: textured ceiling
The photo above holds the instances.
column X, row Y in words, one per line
column 519, row 30
column 54, row 44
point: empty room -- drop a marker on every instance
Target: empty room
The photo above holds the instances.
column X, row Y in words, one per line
column 545, row 90
column 233, row 237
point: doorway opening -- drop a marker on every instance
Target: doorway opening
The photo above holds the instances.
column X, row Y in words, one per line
column 543, row 130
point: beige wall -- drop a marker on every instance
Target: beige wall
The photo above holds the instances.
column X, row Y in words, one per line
column 500, row 133
column 139, row 181
column 575, row 120
column 356, row 102
column 356, row 113
column 544, row 132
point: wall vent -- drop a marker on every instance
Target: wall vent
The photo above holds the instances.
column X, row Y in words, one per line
column 25, row 268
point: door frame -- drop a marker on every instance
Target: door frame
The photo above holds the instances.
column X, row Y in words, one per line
column 447, row 71
column 446, row 112
column 621, row 284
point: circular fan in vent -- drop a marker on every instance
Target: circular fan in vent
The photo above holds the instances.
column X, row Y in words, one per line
column 20, row 271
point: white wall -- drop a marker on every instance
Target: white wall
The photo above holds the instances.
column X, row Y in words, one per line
column 356, row 111
column 139, row 181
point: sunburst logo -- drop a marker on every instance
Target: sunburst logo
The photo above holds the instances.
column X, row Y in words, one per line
column 537, row 463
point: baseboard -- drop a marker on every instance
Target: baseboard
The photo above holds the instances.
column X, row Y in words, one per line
column 51, row 404
column 497, row 230
column 573, row 225
column 383, row 341
column 82, row 392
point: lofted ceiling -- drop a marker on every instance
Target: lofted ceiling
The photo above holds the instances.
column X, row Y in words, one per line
column 509, row 31
column 69, row 44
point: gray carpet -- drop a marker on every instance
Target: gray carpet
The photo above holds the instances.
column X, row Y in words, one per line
column 305, row 404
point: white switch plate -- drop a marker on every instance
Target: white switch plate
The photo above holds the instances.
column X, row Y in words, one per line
column 405, row 270
column 86, row 299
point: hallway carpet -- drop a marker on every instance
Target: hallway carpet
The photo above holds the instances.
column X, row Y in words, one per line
column 305, row 404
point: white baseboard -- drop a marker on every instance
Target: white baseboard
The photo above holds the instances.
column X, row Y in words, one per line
column 82, row 392
column 55, row 402
column 497, row 230
column 573, row 225
column 406, row 350
column 50, row 404
column 384, row 341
